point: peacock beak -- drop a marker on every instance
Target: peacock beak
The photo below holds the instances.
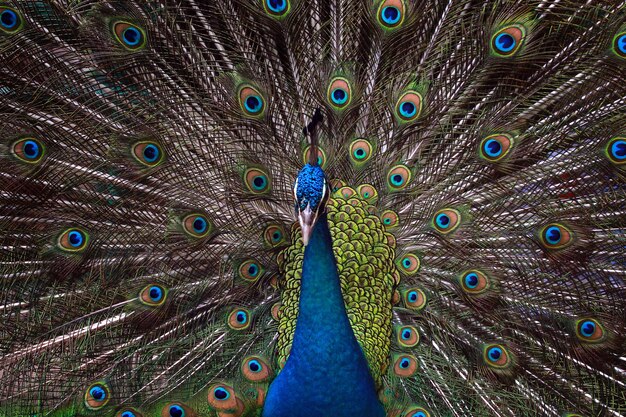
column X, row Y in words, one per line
column 307, row 219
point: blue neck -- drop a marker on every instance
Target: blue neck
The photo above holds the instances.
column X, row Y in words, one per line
column 326, row 373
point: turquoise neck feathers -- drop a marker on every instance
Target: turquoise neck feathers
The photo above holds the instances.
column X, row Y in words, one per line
column 326, row 372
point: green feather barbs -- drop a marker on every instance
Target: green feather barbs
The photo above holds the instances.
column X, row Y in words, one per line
column 130, row 36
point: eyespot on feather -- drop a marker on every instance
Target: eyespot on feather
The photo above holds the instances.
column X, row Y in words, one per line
column 250, row 270
column 507, row 41
column 97, row 396
column 407, row 336
column 496, row 356
column 616, row 150
column 417, row 412
column 274, row 235
column 398, row 177
column 409, row 106
column 345, row 193
column 321, row 156
column 446, row 220
column 128, row 412
column 405, row 366
column 239, row 319
column 29, row 150
column 130, row 36
column 148, row 153
column 196, row 225
column 367, row 192
column 176, row 409
column 590, row 331
column 390, row 219
column 409, row 264
column 255, row 369
column 73, row 240
column 556, row 236
column 619, row 45
column 339, row 93
column 278, row 9
column 414, row 298
column 251, row 101
column 222, row 397
column 474, row 282
column 11, row 20
column 360, row 151
column 391, row 14
column 257, row 181
column 153, row 295
column 495, row 147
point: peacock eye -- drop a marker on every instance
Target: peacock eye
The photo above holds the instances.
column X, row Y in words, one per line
column 153, row 295
column 148, row 153
column 321, row 156
column 409, row 106
column 277, row 8
column 339, row 93
column 391, row 14
column 97, row 396
column 619, row 44
column 589, row 330
column 508, row 40
column 29, row 150
column 616, row 150
column 10, row 20
column 474, row 282
column 409, row 264
column 175, row 410
column 496, row 356
column 417, row 412
column 367, row 192
column 251, row 101
column 495, row 147
column 336, row 184
column 407, row 336
column 73, row 240
column 398, row 177
column 127, row 413
column 360, row 151
column 346, row 192
column 274, row 235
column 556, row 236
column 255, row 369
column 130, row 36
column 222, row 397
column 414, row 299
column 239, row 319
column 196, row 225
column 405, row 366
column 250, row 270
column 446, row 220
column 257, row 181
column 390, row 219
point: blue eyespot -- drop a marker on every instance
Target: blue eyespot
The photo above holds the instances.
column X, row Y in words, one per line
column 505, row 42
column 8, row 19
column 407, row 109
column 221, row 394
column 471, row 280
column 254, row 366
column 492, row 148
column 397, row 179
column 242, row 317
column 339, row 96
column 276, row 6
column 176, row 411
column 406, row 262
column 391, row 15
column 259, row 182
column 253, row 269
column 404, row 363
column 276, row 236
column 419, row 414
column 587, row 328
column 412, row 296
column 494, row 354
column 443, row 220
column 31, row 149
column 76, row 238
column 620, row 44
column 150, row 153
column 131, row 36
column 155, row 293
column 553, row 235
column 199, row 225
column 406, row 335
column 128, row 414
column 618, row 147
column 97, row 393
column 359, row 153
column 253, row 104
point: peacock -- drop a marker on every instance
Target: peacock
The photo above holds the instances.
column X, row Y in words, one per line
column 320, row 208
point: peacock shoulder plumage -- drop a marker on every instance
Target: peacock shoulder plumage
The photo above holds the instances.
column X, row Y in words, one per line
column 457, row 247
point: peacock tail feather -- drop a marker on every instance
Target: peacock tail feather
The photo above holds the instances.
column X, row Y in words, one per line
column 150, row 260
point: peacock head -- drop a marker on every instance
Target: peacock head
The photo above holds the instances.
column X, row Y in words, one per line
column 311, row 192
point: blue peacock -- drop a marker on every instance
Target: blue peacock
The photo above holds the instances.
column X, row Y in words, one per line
column 383, row 208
